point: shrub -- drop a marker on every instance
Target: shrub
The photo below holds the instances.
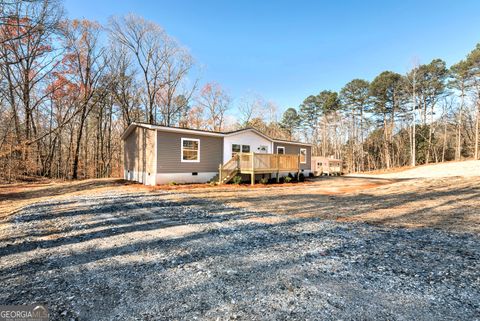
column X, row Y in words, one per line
column 301, row 177
column 264, row 181
column 237, row 179
column 288, row 179
column 293, row 177
column 172, row 183
column 272, row 180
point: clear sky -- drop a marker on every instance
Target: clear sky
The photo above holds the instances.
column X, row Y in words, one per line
column 287, row 50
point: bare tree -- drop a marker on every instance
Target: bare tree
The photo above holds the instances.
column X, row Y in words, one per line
column 175, row 95
column 216, row 102
column 86, row 64
column 250, row 106
column 28, row 56
column 124, row 86
column 152, row 49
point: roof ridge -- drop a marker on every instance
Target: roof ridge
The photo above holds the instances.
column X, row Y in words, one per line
column 215, row 132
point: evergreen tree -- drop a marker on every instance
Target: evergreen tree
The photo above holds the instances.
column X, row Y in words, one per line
column 290, row 121
column 386, row 92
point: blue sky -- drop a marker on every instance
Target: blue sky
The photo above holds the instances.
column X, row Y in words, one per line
column 287, row 50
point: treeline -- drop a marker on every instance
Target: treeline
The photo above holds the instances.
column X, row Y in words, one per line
column 430, row 114
column 69, row 88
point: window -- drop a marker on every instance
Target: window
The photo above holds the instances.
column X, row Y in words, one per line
column 190, row 150
column 280, row 150
column 303, row 155
column 237, row 148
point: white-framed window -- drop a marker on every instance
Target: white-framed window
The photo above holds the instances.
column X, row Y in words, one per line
column 190, row 150
column 238, row 148
column 303, row 155
column 280, row 150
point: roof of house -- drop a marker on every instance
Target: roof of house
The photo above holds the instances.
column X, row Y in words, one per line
column 202, row 132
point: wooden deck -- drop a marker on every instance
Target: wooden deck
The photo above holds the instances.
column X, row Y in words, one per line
column 258, row 163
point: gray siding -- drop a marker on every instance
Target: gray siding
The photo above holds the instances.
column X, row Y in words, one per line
column 139, row 153
column 292, row 148
column 169, row 151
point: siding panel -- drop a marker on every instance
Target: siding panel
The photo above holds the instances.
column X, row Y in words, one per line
column 291, row 148
column 139, row 155
column 169, row 153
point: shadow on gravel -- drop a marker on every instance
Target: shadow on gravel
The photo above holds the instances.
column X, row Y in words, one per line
column 130, row 214
column 229, row 265
column 451, row 209
column 60, row 189
column 325, row 267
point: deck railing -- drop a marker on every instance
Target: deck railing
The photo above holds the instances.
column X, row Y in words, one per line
column 259, row 163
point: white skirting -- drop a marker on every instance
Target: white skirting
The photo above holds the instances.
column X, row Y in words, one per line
column 139, row 177
column 202, row 177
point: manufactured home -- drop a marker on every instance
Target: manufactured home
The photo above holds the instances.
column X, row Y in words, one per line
column 326, row 166
column 156, row 154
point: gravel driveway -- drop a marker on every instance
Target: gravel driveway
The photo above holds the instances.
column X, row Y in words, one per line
column 161, row 256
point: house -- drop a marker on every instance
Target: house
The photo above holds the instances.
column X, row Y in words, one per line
column 326, row 166
column 156, row 154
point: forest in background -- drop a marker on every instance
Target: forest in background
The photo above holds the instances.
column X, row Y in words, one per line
column 69, row 88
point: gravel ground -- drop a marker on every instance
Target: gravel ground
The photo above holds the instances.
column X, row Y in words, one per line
column 162, row 255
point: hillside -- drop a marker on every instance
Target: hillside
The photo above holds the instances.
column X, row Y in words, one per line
column 465, row 169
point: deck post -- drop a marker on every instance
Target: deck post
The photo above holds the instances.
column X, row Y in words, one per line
column 252, row 175
column 220, row 174
column 298, row 169
column 278, row 167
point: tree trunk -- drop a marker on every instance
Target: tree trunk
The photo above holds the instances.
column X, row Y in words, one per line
column 386, row 148
column 78, row 143
column 477, row 125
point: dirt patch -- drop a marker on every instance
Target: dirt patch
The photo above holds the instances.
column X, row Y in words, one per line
column 15, row 196
column 443, row 203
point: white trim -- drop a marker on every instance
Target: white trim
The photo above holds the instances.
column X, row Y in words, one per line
column 189, row 131
column 237, row 132
column 169, row 129
column 203, row 132
column 305, row 155
column 282, row 147
column 290, row 142
column 181, row 150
